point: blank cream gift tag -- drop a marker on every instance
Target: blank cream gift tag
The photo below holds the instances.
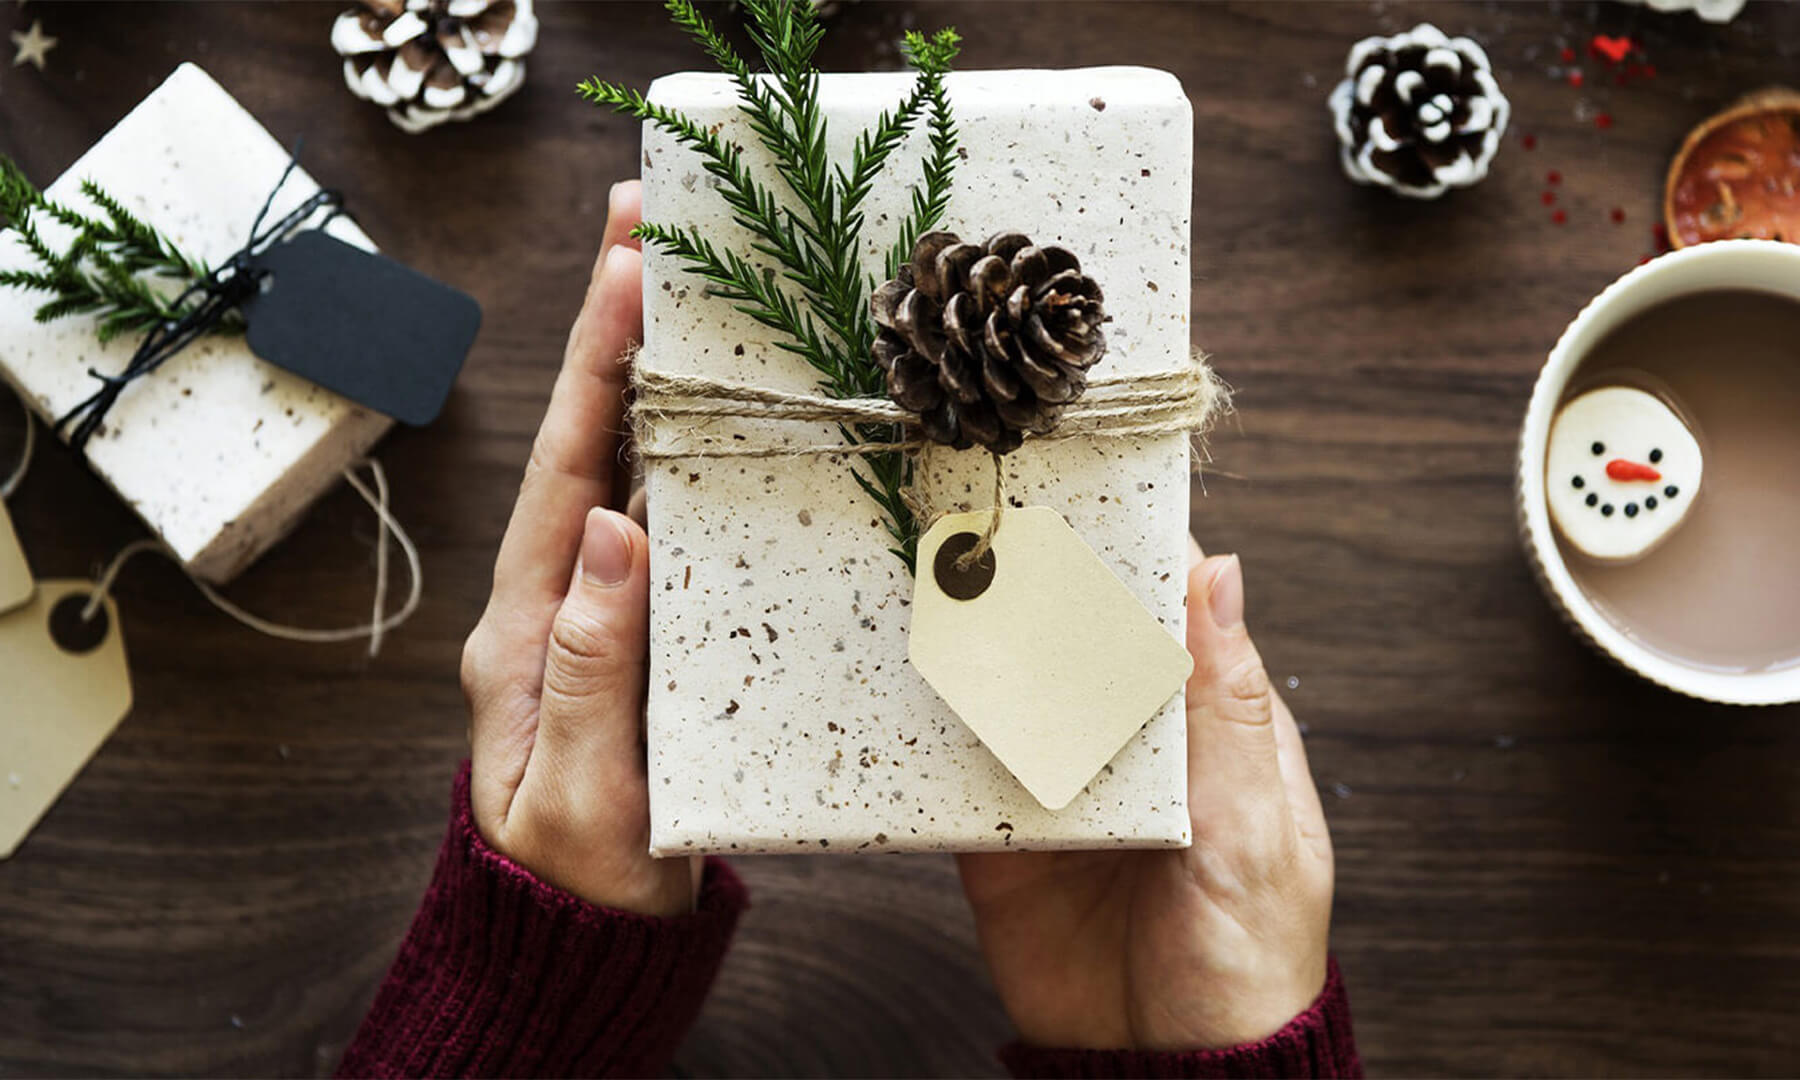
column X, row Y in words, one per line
column 57, row 705
column 16, row 585
column 1041, row 651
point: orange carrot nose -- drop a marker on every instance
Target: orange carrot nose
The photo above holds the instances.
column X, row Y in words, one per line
column 1620, row 469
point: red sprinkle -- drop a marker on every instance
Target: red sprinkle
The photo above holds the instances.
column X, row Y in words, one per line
column 1575, row 77
column 1568, row 54
column 1559, row 217
column 1529, row 142
column 1549, row 197
column 1660, row 233
column 1614, row 49
column 1553, row 177
column 1618, row 216
column 1648, row 71
column 1603, row 121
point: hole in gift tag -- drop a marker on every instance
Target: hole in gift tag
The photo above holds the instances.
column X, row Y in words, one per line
column 961, row 584
column 71, row 632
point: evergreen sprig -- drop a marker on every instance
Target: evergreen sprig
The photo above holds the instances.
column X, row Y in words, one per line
column 107, row 267
column 813, row 245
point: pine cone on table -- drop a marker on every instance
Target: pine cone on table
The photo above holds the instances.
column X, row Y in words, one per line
column 1712, row 11
column 1418, row 112
column 988, row 341
column 428, row 61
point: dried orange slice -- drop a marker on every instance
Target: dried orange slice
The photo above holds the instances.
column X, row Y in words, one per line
column 1738, row 174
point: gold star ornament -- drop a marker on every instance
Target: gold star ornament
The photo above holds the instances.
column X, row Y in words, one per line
column 33, row 46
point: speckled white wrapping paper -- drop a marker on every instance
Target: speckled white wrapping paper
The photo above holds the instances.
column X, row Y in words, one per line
column 219, row 452
column 783, row 715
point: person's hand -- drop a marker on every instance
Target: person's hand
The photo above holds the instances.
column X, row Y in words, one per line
column 554, row 671
column 1213, row 946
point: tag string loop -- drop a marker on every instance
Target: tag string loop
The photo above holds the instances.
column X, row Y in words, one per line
column 389, row 530
column 13, row 479
column 985, row 541
column 214, row 298
column 379, row 624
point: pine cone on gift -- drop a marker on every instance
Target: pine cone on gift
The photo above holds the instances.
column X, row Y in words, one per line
column 1418, row 112
column 428, row 61
column 988, row 341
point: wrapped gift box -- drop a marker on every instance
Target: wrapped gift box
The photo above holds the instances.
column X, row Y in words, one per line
column 219, row 452
column 783, row 714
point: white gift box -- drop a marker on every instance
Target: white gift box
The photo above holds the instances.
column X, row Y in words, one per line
column 783, row 714
column 219, row 452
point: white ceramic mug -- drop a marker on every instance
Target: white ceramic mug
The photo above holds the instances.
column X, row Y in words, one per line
column 1760, row 265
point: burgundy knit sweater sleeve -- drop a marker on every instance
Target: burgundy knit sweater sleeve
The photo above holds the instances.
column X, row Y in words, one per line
column 503, row 975
column 1317, row 1043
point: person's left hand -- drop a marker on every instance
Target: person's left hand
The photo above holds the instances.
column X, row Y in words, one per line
column 554, row 672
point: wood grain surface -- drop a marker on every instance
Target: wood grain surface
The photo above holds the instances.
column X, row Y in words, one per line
column 1545, row 866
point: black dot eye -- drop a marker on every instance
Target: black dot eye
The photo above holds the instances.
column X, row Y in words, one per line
column 1631, row 509
column 1650, row 503
column 1671, row 491
column 1599, row 448
column 1579, row 482
column 1655, row 456
column 1592, row 498
column 1607, row 509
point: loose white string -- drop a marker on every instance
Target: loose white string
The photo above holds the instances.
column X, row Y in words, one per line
column 11, row 483
column 378, row 624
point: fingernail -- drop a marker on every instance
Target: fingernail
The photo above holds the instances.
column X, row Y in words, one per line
column 1226, row 599
column 612, row 198
column 1195, row 555
column 605, row 550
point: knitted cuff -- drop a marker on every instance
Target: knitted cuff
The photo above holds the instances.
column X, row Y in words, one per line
column 1317, row 1043
column 503, row 975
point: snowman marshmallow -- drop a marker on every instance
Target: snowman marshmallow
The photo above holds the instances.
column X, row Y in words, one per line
column 1621, row 472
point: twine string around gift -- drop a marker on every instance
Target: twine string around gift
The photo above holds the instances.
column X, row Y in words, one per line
column 673, row 416
column 214, row 297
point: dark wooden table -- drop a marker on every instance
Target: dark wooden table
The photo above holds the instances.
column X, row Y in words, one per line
column 1544, row 865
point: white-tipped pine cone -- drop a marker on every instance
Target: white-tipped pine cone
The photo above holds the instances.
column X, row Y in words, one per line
column 1418, row 112
column 1713, row 11
column 428, row 61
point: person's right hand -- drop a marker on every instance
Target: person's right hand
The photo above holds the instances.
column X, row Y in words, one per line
column 1214, row 946
column 554, row 672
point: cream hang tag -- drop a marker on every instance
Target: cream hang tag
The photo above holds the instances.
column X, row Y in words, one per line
column 16, row 585
column 64, row 687
column 1044, row 653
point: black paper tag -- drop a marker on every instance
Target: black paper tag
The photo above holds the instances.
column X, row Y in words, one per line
column 361, row 325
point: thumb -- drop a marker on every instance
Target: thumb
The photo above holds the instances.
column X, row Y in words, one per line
column 593, row 697
column 1232, row 760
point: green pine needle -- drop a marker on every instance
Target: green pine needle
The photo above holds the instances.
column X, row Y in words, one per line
column 806, row 282
column 104, row 270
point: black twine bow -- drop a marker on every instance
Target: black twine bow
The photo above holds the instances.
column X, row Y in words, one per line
column 237, row 279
